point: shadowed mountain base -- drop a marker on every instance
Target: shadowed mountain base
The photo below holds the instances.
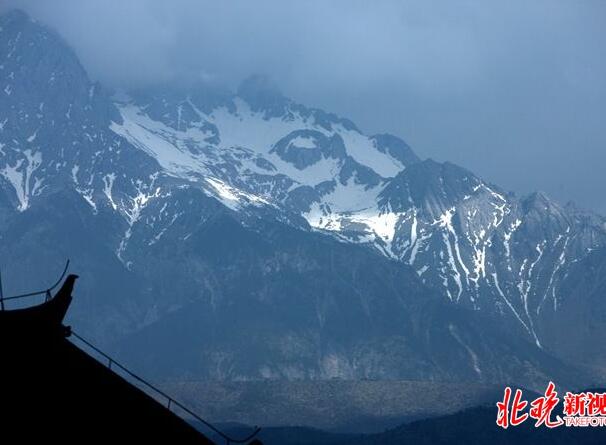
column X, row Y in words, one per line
column 475, row 426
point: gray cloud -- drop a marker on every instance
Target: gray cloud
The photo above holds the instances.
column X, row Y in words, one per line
column 513, row 90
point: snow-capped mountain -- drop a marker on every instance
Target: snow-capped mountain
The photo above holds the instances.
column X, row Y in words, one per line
column 258, row 148
column 473, row 242
column 146, row 176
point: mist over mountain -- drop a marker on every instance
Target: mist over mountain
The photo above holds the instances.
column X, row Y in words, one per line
column 241, row 235
column 497, row 87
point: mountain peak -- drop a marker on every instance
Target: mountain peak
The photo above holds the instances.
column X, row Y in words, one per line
column 261, row 93
column 395, row 147
column 430, row 185
column 42, row 76
column 259, row 84
column 539, row 199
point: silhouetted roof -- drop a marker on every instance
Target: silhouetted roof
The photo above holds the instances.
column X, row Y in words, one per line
column 52, row 390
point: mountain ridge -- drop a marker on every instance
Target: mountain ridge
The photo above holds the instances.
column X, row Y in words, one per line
column 146, row 175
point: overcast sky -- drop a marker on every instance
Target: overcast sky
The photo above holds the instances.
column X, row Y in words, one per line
column 514, row 90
